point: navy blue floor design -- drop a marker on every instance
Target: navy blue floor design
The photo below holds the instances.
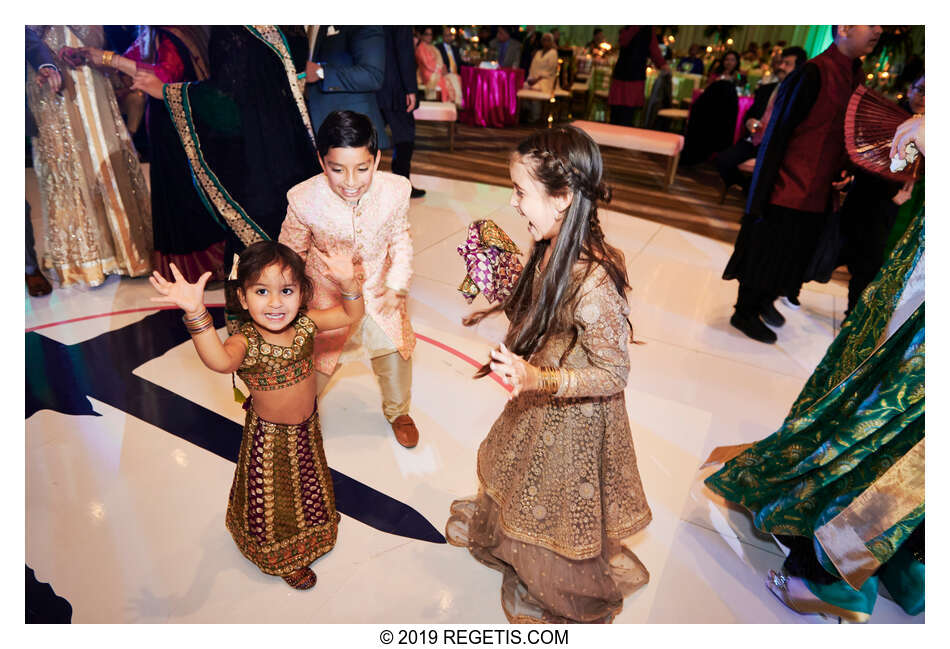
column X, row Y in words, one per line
column 61, row 377
column 43, row 605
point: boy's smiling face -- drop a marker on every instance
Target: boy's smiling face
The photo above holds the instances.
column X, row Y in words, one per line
column 349, row 171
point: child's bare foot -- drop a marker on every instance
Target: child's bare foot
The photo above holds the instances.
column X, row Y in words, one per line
column 302, row 579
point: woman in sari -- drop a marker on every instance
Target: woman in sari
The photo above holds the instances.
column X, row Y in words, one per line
column 94, row 196
column 185, row 232
column 245, row 128
column 841, row 483
column 433, row 73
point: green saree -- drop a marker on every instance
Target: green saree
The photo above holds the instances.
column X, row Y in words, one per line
column 846, row 469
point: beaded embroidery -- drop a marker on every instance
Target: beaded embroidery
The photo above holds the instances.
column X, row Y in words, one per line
column 270, row 367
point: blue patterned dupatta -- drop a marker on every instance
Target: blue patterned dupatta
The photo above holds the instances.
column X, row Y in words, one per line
column 846, row 468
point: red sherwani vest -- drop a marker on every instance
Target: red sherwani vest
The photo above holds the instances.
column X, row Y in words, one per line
column 816, row 152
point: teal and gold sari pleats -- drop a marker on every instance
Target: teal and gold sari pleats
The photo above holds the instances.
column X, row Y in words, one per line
column 846, row 467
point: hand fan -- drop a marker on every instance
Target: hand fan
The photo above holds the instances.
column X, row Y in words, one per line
column 869, row 126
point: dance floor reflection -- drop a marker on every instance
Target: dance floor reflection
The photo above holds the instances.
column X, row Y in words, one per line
column 130, row 446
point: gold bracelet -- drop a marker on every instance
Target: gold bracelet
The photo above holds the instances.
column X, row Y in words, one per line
column 107, row 57
column 549, row 379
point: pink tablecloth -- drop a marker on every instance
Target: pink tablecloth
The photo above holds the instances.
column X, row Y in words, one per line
column 490, row 97
column 745, row 103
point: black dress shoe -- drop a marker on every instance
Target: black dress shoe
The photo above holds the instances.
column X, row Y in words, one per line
column 771, row 315
column 753, row 328
column 417, row 193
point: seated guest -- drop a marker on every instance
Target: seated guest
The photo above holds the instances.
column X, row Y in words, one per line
column 509, row 50
column 596, row 39
column 543, row 71
column 751, row 56
column 726, row 68
column 757, row 119
column 692, row 64
column 435, row 77
column 449, row 49
column 542, row 75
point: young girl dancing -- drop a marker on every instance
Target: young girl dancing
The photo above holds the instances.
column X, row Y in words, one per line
column 281, row 510
column 558, row 482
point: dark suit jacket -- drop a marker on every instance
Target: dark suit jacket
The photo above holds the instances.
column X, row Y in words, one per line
column 37, row 54
column 445, row 56
column 354, row 64
column 399, row 78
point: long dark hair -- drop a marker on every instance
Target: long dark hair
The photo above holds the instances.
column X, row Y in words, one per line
column 563, row 160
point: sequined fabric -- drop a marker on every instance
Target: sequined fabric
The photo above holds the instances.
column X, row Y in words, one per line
column 281, row 509
column 491, row 262
column 558, row 475
column 95, row 200
column 270, row 367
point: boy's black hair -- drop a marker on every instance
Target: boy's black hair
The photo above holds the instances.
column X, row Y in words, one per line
column 347, row 130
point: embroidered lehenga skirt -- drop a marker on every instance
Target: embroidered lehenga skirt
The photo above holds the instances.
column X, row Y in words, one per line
column 558, row 492
column 281, row 511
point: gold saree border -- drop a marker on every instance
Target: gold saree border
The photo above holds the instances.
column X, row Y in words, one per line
column 274, row 38
column 882, row 505
column 176, row 100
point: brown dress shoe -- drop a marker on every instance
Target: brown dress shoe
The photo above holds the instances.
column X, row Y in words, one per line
column 404, row 428
column 37, row 285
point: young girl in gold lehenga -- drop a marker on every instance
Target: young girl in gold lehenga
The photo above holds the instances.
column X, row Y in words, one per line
column 281, row 510
column 558, row 482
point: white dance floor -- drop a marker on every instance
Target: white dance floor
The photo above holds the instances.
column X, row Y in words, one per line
column 125, row 520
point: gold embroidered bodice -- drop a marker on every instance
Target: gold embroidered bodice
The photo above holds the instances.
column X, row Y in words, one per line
column 270, row 367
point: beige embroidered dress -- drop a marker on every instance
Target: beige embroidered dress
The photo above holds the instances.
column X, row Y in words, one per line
column 95, row 202
column 558, row 481
column 376, row 229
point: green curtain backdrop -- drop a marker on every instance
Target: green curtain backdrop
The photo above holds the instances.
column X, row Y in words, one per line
column 814, row 38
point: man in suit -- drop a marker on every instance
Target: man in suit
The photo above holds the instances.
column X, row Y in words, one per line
column 345, row 71
column 509, row 50
column 449, row 49
column 397, row 98
column 728, row 161
column 42, row 58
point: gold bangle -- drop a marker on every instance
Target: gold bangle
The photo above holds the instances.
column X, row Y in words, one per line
column 107, row 57
column 549, row 379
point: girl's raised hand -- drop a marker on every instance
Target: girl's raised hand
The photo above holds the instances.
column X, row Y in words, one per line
column 188, row 297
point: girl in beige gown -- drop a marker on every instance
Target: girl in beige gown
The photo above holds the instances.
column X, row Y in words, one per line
column 95, row 202
column 558, row 485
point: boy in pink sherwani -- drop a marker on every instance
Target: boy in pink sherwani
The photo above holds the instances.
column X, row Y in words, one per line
column 354, row 207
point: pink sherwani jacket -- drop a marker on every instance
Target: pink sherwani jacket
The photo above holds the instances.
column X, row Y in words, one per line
column 377, row 230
